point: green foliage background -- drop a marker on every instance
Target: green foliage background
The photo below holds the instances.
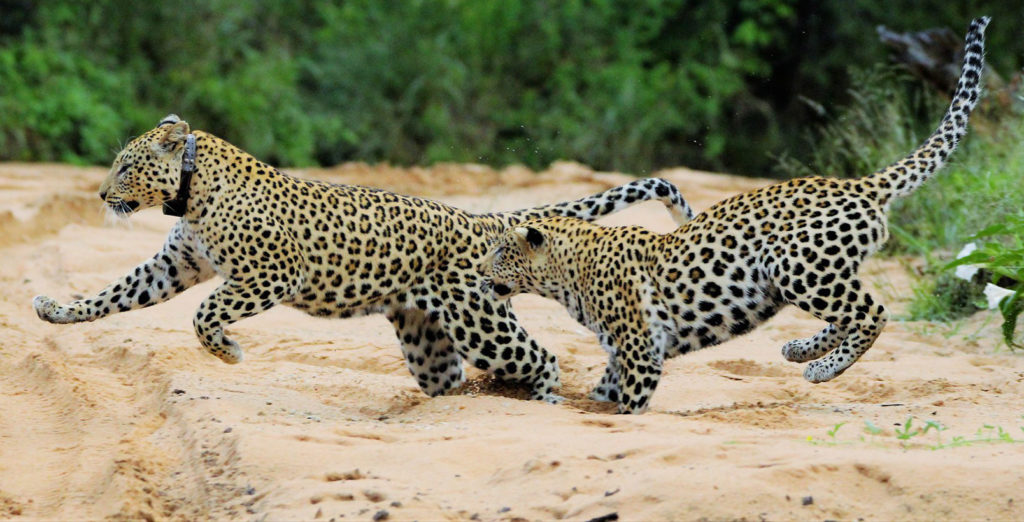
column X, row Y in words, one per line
column 625, row 85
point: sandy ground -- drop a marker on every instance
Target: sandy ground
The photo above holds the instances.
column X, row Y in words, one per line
column 125, row 418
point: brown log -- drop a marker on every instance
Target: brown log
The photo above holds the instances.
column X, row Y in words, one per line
column 935, row 56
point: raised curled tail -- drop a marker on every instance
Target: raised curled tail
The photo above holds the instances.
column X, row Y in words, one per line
column 612, row 200
column 906, row 175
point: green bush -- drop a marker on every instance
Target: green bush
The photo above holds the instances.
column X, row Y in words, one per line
column 527, row 82
column 60, row 107
column 1002, row 254
column 632, row 86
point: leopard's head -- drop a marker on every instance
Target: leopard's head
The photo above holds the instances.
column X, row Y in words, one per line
column 517, row 263
column 147, row 171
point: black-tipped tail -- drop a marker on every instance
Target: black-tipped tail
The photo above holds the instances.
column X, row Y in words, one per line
column 610, row 201
column 906, row 175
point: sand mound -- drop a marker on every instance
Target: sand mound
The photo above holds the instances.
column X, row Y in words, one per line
column 126, row 419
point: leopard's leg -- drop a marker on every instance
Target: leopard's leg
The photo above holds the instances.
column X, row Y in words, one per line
column 850, row 310
column 175, row 268
column 814, row 347
column 428, row 351
column 486, row 333
column 229, row 303
column 863, row 327
column 607, row 389
column 255, row 281
column 640, row 360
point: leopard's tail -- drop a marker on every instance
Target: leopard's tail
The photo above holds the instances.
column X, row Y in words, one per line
column 612, row 200
column 906, row 175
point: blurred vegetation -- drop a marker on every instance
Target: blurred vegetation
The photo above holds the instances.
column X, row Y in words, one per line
column 631, row 86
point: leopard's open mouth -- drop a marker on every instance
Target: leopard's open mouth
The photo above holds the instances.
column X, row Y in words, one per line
column 122, row 207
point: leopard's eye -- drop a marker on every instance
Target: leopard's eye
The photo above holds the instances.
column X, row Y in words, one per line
column 124, row 168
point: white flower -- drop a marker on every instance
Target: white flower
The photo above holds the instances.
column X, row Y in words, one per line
column 995, row 294
column 966, row 272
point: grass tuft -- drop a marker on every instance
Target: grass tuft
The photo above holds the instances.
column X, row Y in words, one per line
column 909, row 435
column 887, row 116
column 945, row 297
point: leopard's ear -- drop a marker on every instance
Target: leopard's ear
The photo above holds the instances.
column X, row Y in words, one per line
column 169, row 119
column 172, row 136
column 531, row 236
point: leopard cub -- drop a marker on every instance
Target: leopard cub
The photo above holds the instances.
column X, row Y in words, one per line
column 651, row 296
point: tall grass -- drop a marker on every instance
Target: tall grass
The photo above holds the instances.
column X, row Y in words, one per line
column 983, row 185
column 884, row 119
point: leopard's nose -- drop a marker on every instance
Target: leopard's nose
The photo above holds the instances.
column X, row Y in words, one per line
column 103, row 195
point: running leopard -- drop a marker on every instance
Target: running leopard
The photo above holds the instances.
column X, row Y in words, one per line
column 651, row 296
column 329, row 250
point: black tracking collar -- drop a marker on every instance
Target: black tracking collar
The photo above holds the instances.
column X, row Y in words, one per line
column 177, row 206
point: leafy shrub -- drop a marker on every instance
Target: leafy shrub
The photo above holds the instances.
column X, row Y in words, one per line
column 1003, row 255
column 632, row 86
column 60, row 107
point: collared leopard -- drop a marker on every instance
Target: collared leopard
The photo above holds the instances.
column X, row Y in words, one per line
column 650, row 296
column 329, row 250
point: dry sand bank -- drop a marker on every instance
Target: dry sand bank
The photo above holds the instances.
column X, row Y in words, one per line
column 125, row 418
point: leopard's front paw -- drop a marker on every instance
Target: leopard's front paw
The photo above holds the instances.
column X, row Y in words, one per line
column 632, row 409
column 604, row 393
column 547, row 395
column 553, row 398
column 51, row 311
column 229, row 352
column 797, row 351
column 821, row 370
